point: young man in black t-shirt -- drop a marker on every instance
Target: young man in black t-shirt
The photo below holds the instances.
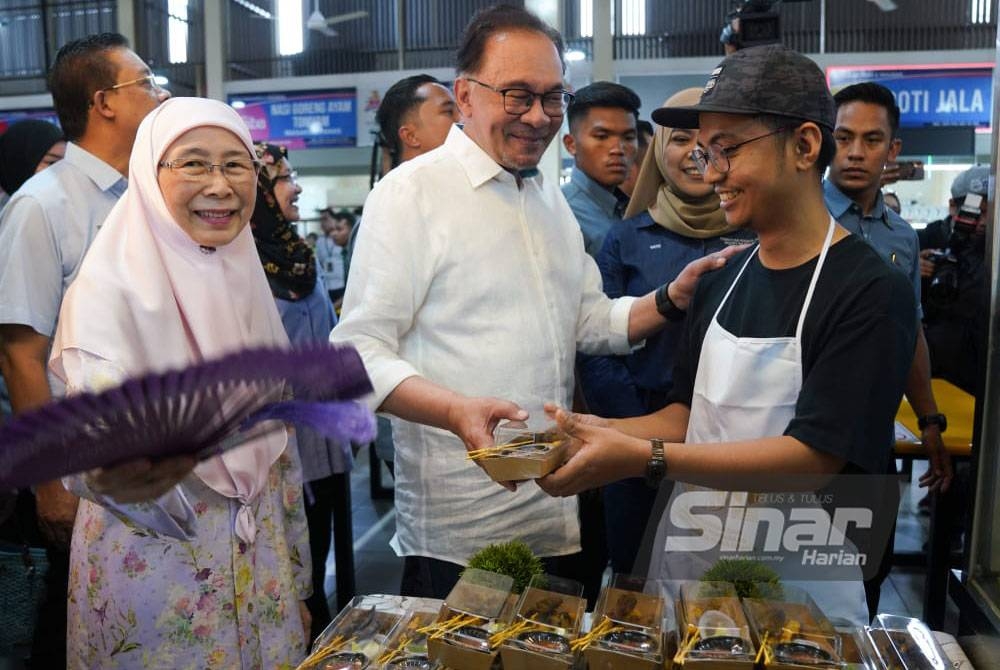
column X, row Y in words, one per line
column 797, row 351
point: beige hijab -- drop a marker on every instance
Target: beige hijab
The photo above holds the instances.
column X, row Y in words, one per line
column 676, row 211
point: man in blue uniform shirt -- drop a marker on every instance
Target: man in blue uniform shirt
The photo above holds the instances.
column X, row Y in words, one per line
column 603, row 141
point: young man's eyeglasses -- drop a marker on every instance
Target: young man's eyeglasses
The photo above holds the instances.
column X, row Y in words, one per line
column 719, row 155
column 233, row 170
column 149, row 81
column 291, row 177
column 518, row 101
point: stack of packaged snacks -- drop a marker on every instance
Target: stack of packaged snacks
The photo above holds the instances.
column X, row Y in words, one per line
column 548, row 619
column 479, row 606
column 406, row 645
column 792, row 632
column 353, row 639
column 627, row 630
column 713, row 631
column 521, row 452
column 901, row 643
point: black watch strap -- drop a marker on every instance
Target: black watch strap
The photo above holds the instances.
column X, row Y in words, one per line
column 665, row 306
column 656, row 466
column 939, row 420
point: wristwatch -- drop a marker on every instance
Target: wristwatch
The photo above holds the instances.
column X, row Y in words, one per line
column 939, row 420
column 665, row 306
column 656, row 467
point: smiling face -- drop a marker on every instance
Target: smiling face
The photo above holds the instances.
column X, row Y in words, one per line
column 286, row 190
column 211, row 209
column 754, row 189
column 512, row 59
column 678, row 166
column 864, row 145
column 604, row 144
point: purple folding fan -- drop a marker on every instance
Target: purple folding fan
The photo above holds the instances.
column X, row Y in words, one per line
column 203, row 410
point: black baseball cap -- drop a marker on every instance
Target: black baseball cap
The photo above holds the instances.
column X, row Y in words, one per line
column 769, row 79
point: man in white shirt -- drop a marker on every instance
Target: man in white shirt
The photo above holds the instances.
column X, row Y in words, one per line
column 101, row 90
column 469, row 295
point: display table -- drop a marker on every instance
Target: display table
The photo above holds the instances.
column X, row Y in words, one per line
column 959, row 407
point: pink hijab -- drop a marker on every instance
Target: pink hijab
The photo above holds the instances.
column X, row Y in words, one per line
column 149, row 298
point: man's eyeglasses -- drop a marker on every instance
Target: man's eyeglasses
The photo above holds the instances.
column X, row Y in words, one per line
column 149, row 81
column 518, row 101
column 291, row 177
column 235, row 170
column 719, row 155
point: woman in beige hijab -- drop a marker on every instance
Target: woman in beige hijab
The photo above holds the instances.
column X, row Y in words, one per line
column 672, row 219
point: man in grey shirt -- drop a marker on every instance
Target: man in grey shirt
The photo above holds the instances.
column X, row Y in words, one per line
column 101, row 91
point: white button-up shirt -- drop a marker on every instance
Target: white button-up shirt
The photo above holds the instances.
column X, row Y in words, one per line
column 483, row 287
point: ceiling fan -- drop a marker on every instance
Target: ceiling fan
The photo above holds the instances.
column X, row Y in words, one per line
column 320, row 23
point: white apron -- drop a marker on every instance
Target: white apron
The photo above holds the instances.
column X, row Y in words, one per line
column 745, row 388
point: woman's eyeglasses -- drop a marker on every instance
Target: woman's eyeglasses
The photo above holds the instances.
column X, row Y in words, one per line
column 234, row 170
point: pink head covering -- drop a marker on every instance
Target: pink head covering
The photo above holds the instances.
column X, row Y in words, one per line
column 149, row 298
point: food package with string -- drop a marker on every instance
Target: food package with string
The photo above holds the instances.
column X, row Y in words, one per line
column 792, row 632
column 548, row 620
column 477, row 608
column 713, row 630
column 355, row 638
column 901, row 643
column 627, row 628
column 406, row 646
column 522, row 451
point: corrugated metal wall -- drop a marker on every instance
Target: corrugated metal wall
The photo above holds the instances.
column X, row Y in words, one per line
column 26, row 29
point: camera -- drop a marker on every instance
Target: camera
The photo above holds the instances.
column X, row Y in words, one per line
column 752, row 23
column 943, row 289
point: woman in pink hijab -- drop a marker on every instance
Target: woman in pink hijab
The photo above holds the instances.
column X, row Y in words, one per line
column 174, row 567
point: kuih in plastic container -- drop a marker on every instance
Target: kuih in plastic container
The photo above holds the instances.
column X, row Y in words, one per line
column 901, row 643
column 793, row 632
column 548, row 619
column 354, row 638
column 479, row 606
column 627, row 630
column 712, row 629
column 522, row 452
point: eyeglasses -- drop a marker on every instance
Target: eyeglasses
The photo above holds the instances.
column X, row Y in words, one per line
column 518, row 101
column 292, row 177
column 149, row 81
column 719, row 155
column 234, row 170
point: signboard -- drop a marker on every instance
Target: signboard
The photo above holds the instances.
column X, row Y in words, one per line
column 929, row 95
column 10, row 116
column 301, row 120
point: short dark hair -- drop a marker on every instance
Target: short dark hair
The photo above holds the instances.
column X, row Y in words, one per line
column 827, row 149
column 396, row 104
column 872, row 93
column 80, row 69
column 645, row 129
column 602, row 94
column 492, row 20
column 346, row 215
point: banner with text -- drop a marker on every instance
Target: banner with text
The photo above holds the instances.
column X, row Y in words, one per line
column 301, row 120
column 946, row 95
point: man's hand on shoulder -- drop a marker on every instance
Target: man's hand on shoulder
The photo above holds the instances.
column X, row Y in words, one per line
column 681, row 289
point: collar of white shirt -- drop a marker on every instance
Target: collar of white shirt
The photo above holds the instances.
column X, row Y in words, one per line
column 478, row 165
column 103, row 175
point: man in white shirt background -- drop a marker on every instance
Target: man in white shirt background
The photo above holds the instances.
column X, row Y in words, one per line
column 469, row 294
column 101, row 91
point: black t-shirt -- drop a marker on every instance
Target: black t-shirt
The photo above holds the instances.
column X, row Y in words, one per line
column 857, row 343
